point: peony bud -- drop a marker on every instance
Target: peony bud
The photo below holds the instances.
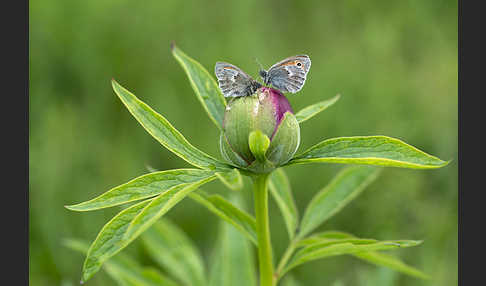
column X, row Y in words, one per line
column 263, row 121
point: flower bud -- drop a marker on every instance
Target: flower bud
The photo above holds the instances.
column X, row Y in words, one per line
column 267, row 118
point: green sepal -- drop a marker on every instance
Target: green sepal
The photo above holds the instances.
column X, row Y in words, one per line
column 285, row 141
column 259, row 144
column 229, row 154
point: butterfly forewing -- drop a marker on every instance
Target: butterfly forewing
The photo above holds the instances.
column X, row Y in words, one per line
column 232, row 81
column 289, row 75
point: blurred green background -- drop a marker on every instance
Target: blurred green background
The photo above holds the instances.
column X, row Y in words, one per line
column 393, row 62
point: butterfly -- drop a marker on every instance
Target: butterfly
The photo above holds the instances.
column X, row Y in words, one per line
column 287, row 75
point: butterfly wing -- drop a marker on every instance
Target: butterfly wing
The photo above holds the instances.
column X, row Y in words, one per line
column 289, row 75
column 232, row 81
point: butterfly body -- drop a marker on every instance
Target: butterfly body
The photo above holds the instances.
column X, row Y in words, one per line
column 288, row 75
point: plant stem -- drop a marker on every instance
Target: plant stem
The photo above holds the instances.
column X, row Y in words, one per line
column 260, row 185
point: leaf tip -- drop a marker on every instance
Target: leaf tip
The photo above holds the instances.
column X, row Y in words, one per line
column 409, row 243
column 86, row 276
column 172, row 45
column 440, row 163
column 114, row 83
column 447, row 162
column 76, row 207
column 69, row 207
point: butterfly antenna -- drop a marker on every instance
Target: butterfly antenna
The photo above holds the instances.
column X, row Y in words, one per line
column 262, row 71
column 258, row 63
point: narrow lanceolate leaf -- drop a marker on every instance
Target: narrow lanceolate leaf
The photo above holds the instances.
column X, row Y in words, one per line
column 326, row 249
column 110, row 240
column 369, row 150
column 279, row 186
column 377, row 258
column 123, row 269
column 172, row 249
column 312, row 110
column 204, row 85
column 232, row 262
column 346, row 186
column 232, row 179
column 128, row 272
column 160, row 205
column 391, row 262
column 241, row 220
column 325, row 235
column 117, row 234
column 146, row 186
column 164, row 132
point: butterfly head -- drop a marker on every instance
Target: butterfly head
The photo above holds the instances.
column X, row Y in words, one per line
column 263, row 74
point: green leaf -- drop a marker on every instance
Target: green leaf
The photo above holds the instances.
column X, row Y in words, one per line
column 123, row 269
column 172, row 249
column 346, row 186
column 377, row 258
column 129, row 273
column 279, row 187
column 369, row 150
column 232, row 179
column 330, row 241
column 312, row 110
column 233, row 261
column 259, row 144
column 330, row 238
column 110, row 240
column 327, row 249
column 122, row 229
column 242, row 221
column 160, row 206
column 157, row 126
column 331, row 234
column 391, row 262
column 204, row 85
column 145, row 186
